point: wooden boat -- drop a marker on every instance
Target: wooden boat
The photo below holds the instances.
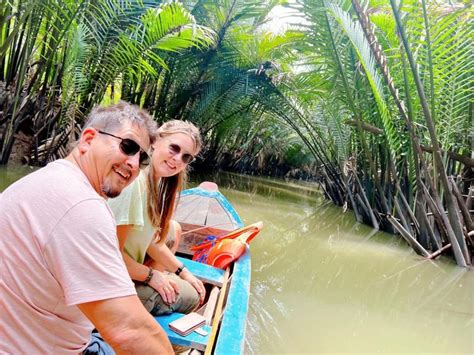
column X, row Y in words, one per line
column 204, row 211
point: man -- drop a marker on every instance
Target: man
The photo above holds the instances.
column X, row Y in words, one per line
column 60, row 262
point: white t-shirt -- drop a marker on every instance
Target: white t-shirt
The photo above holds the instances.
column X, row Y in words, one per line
column 58, row 248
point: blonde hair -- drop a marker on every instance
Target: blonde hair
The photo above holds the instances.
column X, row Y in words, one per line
column 161, row 196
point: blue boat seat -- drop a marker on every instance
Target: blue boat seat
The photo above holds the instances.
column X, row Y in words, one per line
column 206, row 273
column 193, row 340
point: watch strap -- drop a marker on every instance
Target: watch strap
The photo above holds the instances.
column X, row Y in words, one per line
column 149, row 277
column 179, row 269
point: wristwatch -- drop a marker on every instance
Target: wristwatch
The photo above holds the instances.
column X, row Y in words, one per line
column 149, row 277
column 180, row 269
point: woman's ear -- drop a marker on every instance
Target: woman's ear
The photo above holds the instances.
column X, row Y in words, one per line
column 87, row 136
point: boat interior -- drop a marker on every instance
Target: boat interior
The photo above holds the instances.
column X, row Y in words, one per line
column 217, row 284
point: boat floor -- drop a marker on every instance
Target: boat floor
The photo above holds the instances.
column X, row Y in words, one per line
column 216, row 282
column 194, row 234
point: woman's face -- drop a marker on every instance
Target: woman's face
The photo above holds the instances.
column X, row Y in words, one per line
column 169, row 153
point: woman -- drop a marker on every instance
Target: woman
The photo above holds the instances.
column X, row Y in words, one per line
column 143, row 214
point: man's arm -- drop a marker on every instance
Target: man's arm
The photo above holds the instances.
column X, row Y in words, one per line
column 126, row 325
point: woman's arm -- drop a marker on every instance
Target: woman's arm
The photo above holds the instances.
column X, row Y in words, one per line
column 139, row 272
column 163, row 255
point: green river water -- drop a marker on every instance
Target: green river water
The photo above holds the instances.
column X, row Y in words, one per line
column 323, row 283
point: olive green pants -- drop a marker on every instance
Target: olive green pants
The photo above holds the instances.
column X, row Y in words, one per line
column 186, row 301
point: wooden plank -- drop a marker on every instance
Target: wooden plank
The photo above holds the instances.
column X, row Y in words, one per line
column 231, row 338
column 207, row 273
column 218, row 314
column 193, row 340
column 211, row 304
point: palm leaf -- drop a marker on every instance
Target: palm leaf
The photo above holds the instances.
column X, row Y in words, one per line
column 356, row 35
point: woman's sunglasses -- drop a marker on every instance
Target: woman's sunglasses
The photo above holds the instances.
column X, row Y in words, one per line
column 185, row 157
column 130, row 147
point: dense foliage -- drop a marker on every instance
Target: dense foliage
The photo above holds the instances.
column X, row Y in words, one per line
column 374, row 98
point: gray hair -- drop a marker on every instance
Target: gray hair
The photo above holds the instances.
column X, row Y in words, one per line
column 109, row 118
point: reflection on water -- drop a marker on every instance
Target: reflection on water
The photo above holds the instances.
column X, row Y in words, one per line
column 322, row 283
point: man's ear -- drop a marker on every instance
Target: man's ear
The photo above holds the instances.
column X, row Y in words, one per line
column 87, row 136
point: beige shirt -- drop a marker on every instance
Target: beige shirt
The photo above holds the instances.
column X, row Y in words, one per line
column 129, row 208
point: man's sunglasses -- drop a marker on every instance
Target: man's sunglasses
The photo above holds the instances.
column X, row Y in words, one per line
column 185, row 157
column 130, row 147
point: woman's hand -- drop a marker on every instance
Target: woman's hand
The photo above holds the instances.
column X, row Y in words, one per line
column 166, row 287
column 195, row 282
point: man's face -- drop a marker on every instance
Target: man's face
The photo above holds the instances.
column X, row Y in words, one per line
column 111, row 168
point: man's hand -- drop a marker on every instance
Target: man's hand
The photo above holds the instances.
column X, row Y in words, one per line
column 166, row 287
column 195, row 282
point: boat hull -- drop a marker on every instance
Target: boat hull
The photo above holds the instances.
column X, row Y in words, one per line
column 221, row 219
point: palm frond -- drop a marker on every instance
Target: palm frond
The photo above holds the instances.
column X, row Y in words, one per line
column 356, row 35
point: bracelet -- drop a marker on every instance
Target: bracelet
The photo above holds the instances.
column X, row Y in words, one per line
column 149, row 277
column 180, row 269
